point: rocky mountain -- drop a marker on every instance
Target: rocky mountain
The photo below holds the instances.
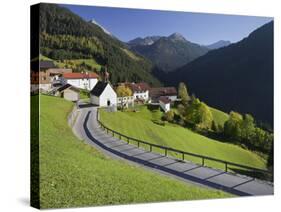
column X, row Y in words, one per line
column 238, row 77
column 167, row 53
column 149, row 40
column 66, row 36
column 218, row 44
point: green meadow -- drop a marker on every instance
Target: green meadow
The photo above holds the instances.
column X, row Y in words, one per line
column 140, row 125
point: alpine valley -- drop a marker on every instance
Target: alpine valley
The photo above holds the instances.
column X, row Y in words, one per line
column 228, row 76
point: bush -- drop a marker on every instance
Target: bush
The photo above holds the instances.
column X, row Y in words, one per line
column 181, row 109
column 199, row 114
column 169, row 116
column 214, row 127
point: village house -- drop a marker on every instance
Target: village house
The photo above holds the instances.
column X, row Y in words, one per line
column 81, row 80
column 169, row 92
column 55, row 75
column 126, row 101
column 164, row 103
column 49, row 75
column 68, row 92
column 44, row 79
column 140, row 90
column 103, row 95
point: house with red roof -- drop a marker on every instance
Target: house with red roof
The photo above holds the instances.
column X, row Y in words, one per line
column 81, row 80
column 140, row 90
column 156, row 93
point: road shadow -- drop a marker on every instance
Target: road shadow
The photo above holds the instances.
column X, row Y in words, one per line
column 86, row 105
column 159, row 167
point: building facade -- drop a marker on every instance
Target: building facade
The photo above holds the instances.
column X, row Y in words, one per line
column 140, row 90
column 81, row 80
column 126, row 101
column 68, row 92
column 169, row 92
column 103, row 95
column 165, row 103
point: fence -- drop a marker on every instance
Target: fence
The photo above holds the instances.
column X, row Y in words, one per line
column 167, row 150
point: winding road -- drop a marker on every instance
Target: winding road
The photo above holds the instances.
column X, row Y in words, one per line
column 87, row 128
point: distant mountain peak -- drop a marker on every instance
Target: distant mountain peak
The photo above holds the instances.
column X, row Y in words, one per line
column 177, row 37
column 146, row 41
column 167, row 52
column 93, row 21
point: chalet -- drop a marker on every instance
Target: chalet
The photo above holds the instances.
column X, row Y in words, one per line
column 49, row 75
column 55, row 74
column 68, row 92
column 164, row 103
column 44, row 80
column 103, row 95
column 140, row 90
column 169, row 92
column 81, row 80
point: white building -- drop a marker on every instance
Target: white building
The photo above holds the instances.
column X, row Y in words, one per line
column 103, row 95
column 68, row 92
column 125, row 101
column 81, row 80
column 140, row 90
column 164, row 103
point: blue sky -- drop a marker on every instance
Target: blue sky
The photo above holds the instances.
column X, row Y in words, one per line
column 201, row 28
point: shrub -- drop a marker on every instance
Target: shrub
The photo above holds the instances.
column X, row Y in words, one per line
column 199, row 114
column 169, row 116
column 181, row 109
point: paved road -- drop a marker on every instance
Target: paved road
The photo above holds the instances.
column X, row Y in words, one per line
column 86, row 127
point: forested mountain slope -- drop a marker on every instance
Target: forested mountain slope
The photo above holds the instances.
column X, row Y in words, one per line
column 65, row 35
column 238, row 77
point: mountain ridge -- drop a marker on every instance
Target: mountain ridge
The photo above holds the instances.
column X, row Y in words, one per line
column 238, row 77
column 65, row 35
column 167, row 52
column 218, row 44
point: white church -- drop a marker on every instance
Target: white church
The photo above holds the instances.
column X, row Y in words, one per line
column 103, row 95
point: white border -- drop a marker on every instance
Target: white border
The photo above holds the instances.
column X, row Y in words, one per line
column 14, row 106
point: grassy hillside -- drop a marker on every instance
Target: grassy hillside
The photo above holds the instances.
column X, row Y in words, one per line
column 74, row 174
column 219, row 116
column 77, row 65
column 139, row 125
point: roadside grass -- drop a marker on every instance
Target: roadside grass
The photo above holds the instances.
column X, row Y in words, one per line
column 140, row 125
column 74, row 174
column 84, row 94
